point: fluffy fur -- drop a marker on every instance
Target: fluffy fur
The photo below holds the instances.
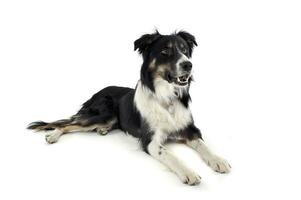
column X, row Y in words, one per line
column 156, row 111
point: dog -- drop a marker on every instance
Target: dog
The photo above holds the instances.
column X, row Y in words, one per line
column 155, row 112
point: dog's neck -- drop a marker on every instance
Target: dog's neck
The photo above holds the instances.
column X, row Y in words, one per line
column 165, row 93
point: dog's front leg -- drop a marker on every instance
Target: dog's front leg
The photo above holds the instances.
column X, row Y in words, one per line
column 160, row 153
column 215, row 162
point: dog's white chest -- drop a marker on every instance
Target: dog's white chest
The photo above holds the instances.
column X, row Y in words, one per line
column 165, row 117
column 180, row 116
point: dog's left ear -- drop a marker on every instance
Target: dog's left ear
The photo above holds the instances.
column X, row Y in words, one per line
column 144, row 42
column 190, row 40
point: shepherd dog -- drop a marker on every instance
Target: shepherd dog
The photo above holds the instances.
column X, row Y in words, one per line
column 155, row 112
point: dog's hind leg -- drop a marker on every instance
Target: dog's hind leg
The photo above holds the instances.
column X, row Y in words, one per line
column 53, row 136
column 58, row 128
column 99, row 113
column 102, row 129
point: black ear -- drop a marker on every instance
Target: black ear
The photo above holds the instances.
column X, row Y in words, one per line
column 190, row 40
column 143, row 43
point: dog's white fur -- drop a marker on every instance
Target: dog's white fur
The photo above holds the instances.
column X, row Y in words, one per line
column 161, row 110
column 165, row 114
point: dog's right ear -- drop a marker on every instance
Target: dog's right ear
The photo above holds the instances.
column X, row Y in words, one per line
column 144, row 42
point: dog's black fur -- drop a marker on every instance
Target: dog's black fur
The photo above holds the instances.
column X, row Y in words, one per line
column 117, row 106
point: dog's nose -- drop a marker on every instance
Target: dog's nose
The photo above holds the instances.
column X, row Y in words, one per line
column 186, row 66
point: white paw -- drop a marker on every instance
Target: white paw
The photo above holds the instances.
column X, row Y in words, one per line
column 218, row 164
column 190, row 178
column 52, row 137
column 103, row 130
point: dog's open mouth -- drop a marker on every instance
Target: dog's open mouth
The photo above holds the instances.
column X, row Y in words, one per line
column 180, row 80
column 183, row 79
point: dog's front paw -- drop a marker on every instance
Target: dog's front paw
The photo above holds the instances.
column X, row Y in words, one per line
column 190, row 178
column 218, row 164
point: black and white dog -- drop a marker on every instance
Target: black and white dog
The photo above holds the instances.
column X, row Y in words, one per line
column 156, row 111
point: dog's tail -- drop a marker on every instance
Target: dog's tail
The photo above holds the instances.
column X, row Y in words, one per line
column 44, row 126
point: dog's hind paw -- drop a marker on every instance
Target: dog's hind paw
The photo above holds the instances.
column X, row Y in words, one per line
column 103, row 130
column 53, row 137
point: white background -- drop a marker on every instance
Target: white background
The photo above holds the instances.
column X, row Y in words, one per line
column 246, row 97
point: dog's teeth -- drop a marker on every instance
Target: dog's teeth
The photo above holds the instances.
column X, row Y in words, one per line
column 183, row 79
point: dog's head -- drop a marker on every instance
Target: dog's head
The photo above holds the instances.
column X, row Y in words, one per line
column 166, row 58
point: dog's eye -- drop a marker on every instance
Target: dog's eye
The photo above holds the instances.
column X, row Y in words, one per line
column 165, row 52
column 184, row 51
